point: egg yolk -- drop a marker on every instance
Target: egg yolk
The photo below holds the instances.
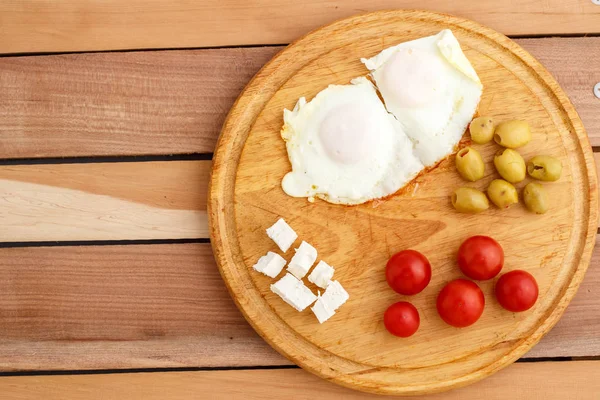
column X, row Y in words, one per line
column 412, row 77
column 348, row 133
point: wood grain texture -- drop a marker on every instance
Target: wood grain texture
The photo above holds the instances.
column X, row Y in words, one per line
column 353, row 349
column 139, row 103
column 576, row 334
column 51, row 196
column 141, row 306
column 152, row 306
column 119, row 328
column 33, row 26
column 575, row 63
column 173, row 102
column 574, row 380
column 103, row 201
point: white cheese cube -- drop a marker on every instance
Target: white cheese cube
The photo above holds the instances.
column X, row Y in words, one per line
column 332, row 299
column 293, row 292
column 334, row 296
column 282, row 234
column 304, row 258
column 270, row 264
column 322, row 312
column 322, row 274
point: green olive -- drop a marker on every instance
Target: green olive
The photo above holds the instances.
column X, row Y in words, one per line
column 470, row 164
column 502, row 193
column 482, row 130
column 510, row 165
column 544, row 168
column 469, row 200
column 535, row 198
column 512, row 134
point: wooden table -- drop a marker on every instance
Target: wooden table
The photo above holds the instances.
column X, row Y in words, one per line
column 108, row 288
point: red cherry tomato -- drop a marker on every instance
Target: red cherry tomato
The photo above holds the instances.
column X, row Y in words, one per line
column 401, row 319
column 480, row 258
column 460, row 303
column 408, row 272
column 517, row 291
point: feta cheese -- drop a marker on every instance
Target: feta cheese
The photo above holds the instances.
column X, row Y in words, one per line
column 294, row 292
column 322, row 312
column 334, row 296
column 302, row 261
column 282, row 234
column 332, row 299
column 270, row 264
column 322, row 274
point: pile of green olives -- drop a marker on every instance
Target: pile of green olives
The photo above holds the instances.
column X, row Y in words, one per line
column 509, row 164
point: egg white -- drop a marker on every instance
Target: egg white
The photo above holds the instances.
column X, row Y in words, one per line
column 431, row 88
column 345, row 147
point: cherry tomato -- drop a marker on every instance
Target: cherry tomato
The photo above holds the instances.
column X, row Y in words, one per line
column 401, row 319
column 480, row 258
column 408, row 272
column 517, row 291
column 460, row 303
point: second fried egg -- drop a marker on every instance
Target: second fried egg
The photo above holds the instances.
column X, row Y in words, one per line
column 430, row 86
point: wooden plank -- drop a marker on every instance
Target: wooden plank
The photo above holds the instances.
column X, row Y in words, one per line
column 573, row 380
column 169, row 102
column 132, row 306
column 104, row 201
column 576, row 333
column 147, row 306
column 33, row 26
column 575, row 63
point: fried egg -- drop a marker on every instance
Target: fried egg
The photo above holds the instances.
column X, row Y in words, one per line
column 345, row 147
column 431, row 88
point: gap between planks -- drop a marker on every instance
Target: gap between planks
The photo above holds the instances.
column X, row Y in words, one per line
column 573, row 380
column 166, row 306
column 174, row 102
column 30, row 26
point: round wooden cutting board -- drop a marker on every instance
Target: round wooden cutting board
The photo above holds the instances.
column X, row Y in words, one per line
column 353, row 348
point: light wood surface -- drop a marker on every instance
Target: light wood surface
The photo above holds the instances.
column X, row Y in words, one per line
column 574, row 380
column 24, row 348
column 575, row 64
column 184, row 185
column 151, row 306
column 176, row 188
column 165, row 305
column 104, row 201
column 81, row 25
column 175, row 101
column 353, row 348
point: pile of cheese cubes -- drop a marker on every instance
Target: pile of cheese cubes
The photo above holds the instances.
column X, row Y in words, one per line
column 291, row 288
